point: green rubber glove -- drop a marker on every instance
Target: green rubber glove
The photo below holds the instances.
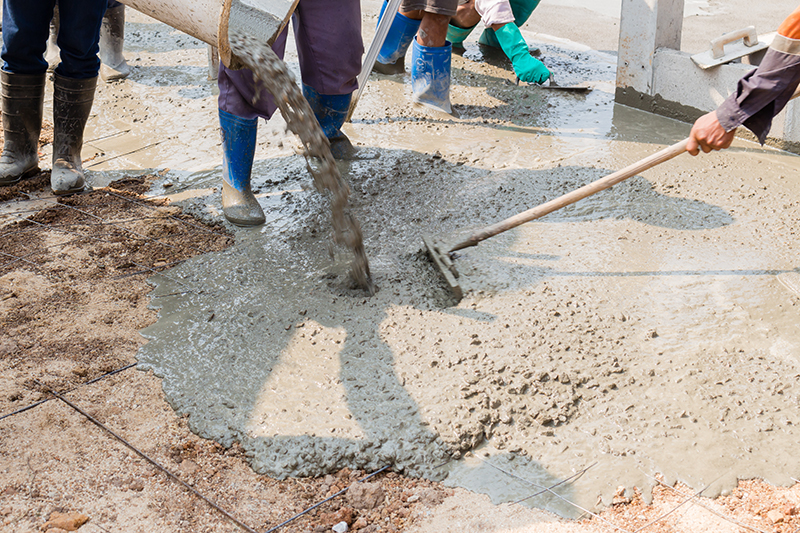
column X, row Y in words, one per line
column 526, row 67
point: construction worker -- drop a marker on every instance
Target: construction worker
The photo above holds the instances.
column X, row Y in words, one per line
column 760, row 94
column 423, row 22
column 113, row 65
column 330, row 61
column 25, row 30
column 502, row 19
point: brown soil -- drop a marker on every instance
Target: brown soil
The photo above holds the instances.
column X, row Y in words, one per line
column 71, row 307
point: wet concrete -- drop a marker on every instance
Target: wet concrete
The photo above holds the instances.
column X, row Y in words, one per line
column 648, row 329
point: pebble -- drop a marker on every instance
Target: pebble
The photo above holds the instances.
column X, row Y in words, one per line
column 341, row 527
column 365, row 495
column 775, row 516
column 65, row 521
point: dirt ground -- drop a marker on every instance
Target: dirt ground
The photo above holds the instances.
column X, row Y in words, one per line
column 74, row 296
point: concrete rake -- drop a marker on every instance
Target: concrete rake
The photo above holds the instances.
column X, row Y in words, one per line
column 443, row 254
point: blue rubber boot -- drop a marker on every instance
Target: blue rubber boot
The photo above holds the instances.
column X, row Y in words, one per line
column 331, row 112
column 238, row 149
column 522, row 10
column 430, row 75
column 457, row 35
column 391, row 57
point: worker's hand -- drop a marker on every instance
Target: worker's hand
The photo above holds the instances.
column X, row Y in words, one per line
column 526, row 67
column 708, row 134
column 531, row 70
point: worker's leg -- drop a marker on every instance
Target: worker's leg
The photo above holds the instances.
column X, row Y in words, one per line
column 241, row 101
column 430, row 55
column 25, row 30
column 112, row 39
column 391, row 57
column 330, row 62
column 462, row 24
column 522, row 11
column 74, row 84
column 23, row 96
column 26, row 26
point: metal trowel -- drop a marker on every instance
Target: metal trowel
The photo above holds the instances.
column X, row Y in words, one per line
column 552, row 84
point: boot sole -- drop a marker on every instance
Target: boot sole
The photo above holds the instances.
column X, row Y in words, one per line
column 69, row 191
column 28, row 173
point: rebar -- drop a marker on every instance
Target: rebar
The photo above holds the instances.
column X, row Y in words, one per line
column 148, row 459
column 567, row 480
column 720, row 515
column 95, row 380
column 531, row 483
column 329, row 498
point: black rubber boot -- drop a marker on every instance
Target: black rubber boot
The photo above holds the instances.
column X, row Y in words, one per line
column 112, row 38
column 72, row 102
column 23, row 96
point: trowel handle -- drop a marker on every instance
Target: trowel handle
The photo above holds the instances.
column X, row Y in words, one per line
column 570, row 198
column 748, row 34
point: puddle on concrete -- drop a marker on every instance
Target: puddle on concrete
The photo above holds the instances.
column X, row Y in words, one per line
column 648, row 329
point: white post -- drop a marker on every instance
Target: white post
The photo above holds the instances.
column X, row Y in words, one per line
column 645, row 26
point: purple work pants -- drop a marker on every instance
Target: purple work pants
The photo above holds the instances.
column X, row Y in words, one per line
column 329, row 46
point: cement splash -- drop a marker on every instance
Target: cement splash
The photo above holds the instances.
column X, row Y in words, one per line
column 648, row 329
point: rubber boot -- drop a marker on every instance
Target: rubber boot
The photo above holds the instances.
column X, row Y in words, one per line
column 391, row 57
column 331, row 112
column 430, row 75
column 457, row 36
column 23, row 96
column 53, row 53
column 112, row 38
column 72, row 103
column 239, row 204
column 522, row 10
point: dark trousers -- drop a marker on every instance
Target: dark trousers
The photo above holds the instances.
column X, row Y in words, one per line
column 26, row 26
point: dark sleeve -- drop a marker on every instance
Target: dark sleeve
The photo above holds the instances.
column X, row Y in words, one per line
column 764, row 92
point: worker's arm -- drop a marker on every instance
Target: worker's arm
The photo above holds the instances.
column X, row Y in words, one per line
column 499, row 16
column 759, row 96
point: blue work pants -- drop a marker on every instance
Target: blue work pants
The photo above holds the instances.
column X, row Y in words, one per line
column 26, row 26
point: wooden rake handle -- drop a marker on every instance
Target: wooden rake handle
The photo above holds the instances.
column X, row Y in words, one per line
column 571, row 197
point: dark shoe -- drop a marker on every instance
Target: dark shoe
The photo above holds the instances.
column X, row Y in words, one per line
column 343, row 150
column 72, row 103
column 23, row 96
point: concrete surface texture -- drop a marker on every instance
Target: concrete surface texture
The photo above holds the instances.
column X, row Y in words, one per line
column 649, row 329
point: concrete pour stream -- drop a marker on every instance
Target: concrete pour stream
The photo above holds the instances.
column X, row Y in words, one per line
column 649, row 329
